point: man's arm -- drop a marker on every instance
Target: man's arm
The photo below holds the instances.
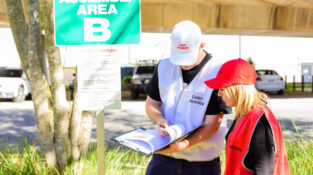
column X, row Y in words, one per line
column 211, row 126
column 154, row 112
column 154, row 109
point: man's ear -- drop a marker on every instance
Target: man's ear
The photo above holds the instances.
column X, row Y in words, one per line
column 202, row 45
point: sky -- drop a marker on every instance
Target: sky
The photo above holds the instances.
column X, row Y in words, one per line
column 283, row 54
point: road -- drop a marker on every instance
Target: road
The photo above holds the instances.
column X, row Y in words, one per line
column 18, row 119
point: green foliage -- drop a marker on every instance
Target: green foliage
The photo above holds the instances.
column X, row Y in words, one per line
column 67, row 88
column 249, row 60
column 27, row 160
column 126, row 80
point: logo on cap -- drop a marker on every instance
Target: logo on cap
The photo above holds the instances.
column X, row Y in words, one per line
column 182, row 46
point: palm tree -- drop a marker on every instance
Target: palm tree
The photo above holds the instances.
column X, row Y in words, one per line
column 249, row 60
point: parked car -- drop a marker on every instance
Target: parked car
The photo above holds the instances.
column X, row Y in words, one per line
column 269, row 81
column 143, row 72
column 13, row 84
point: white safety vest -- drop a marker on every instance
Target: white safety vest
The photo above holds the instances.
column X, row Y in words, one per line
column 187, row 104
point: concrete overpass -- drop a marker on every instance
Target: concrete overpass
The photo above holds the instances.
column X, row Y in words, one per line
column 237, row 17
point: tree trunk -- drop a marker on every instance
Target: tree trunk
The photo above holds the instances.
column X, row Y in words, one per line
column 83, row 139
column 59, row 102
column 19, row 30
column 75, row 125
column 61, row 108
column 85, row 131
column 51, row 108
column 27, row 45
column 80, row 128
column 41, row 92
column 80, row 131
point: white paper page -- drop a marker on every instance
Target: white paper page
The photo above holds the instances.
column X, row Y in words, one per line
column 175, row 131
column 152, row 136
column 148, row 141
column 137, row 140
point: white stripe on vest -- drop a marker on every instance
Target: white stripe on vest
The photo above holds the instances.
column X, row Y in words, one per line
column 187, row 106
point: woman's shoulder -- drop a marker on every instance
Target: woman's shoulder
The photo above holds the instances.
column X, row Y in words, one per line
column 258, row 110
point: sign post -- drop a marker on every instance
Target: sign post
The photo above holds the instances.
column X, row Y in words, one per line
column 100, row 142
column 99, row 89
column 98, row 22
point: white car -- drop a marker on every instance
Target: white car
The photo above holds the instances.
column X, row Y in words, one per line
column 269, row 81
column 13, row 84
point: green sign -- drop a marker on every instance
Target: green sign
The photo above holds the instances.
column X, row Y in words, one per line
column 92, row 22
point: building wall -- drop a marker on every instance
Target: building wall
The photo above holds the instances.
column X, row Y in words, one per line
column 8, row 53
column 283, row 54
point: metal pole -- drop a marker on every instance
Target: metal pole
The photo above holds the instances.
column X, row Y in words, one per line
column 128, row 54
column 302, row 83
column 100, row 142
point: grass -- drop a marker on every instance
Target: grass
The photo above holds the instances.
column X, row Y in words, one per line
column 289, row 87
column 28, row 161
column 25, row 159
column 299, row 85
column 300, row 155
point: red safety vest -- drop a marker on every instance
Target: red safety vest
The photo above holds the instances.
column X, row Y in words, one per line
column 238, row 142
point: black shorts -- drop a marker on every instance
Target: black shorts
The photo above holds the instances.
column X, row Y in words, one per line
column 164, row 165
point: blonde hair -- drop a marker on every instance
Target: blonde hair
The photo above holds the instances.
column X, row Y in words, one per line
column 245, row 98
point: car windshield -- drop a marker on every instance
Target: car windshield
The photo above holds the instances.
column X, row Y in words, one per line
column 145, row 70
column 10, row 73
column 266, row 72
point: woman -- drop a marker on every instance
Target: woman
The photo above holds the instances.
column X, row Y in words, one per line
column 254, row 142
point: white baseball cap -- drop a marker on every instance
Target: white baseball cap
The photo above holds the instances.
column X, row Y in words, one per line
column 186, row 40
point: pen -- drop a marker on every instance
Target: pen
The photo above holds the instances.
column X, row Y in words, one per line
column 160, row 125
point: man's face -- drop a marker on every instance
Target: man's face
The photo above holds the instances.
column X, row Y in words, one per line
column 201, row 55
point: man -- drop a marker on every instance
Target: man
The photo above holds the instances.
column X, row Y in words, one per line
column 177, row 95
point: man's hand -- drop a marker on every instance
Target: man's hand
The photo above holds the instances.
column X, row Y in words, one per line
column 174, row 147
column 212, row 123
column 160, row 127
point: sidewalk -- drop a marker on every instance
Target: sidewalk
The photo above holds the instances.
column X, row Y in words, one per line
column 293, row 95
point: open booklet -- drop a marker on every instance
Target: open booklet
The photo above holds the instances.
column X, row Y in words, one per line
column 147, row 141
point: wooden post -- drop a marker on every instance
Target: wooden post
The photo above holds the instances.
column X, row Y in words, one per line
column 294, row 83
column 312, row 83
column 100, row 142
column 302, row 83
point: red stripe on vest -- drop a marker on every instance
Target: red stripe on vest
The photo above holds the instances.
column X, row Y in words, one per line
column 237, row 145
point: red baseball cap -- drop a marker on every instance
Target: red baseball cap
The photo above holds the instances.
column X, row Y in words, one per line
column 233, row 72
